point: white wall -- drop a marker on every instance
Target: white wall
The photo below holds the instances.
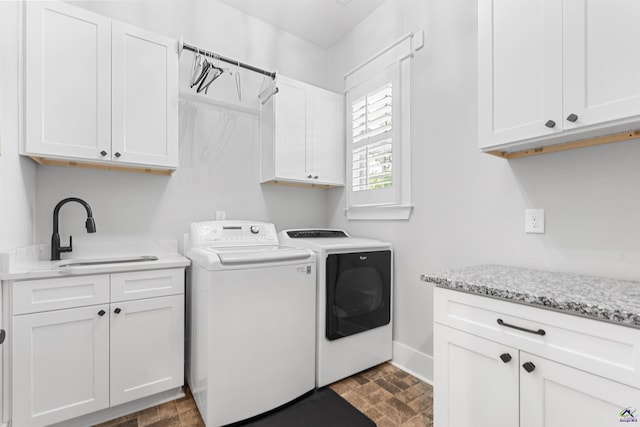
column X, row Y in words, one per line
column 17, row 175
column 219, row 147
column 469, row 206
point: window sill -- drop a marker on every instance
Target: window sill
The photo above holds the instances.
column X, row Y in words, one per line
column 377, row 213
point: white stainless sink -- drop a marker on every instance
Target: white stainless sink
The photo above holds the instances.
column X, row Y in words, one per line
column 105, row 261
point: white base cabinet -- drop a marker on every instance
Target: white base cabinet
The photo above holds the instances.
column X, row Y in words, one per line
column 581, row 372
column 146, row 347
column 301, row 136
column 89, row 351
column 60, row 365
column 98, row 90
column 556, row 395
column 473, row 386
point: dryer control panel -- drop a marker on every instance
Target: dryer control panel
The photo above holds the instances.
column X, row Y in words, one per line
column 232, row 233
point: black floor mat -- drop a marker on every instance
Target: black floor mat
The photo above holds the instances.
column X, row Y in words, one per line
column 322, row 408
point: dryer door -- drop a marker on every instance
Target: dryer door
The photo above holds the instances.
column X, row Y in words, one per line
column 358, row 292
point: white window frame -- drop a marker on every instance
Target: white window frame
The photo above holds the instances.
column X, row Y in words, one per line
column 395, row 59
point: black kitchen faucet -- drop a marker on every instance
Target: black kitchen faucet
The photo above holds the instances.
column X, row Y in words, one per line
column 56, row 249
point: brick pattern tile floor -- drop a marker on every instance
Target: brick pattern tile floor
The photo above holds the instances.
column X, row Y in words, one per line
column 385, row 394
column 389, row 396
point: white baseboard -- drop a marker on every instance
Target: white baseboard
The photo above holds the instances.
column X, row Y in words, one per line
column 124, row 409
column 410, row 360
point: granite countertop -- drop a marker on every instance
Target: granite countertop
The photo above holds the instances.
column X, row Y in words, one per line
column 600, row 298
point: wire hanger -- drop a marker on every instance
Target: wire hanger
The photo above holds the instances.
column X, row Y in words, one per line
column 238, row 83
column 196, row 68
column 269, row 90
column 203, row 72
column 214, row 72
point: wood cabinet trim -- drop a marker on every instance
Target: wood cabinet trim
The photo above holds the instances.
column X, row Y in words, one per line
column 590, row 142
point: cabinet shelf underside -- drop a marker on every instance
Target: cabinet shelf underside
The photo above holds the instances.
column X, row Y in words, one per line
column 589, row 142
column 80, row 164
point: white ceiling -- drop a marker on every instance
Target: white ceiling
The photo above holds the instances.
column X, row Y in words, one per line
column 321, row 22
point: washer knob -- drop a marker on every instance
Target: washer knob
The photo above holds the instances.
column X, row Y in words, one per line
column 254, row 229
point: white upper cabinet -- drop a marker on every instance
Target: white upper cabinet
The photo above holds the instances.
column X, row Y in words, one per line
column 301, row 135
column 290, row 118
column 556, row 71
column 68, row 81
column 144, row 105
column 98, row 90
column 601, row 72
column 326, row 156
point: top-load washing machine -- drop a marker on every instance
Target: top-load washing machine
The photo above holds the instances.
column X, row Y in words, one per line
column 354, row 301
column 251, row 320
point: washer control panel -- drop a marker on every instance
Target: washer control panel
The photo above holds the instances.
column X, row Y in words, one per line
column 232, row 233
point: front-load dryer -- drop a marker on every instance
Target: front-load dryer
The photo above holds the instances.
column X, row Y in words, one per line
column 354, row 300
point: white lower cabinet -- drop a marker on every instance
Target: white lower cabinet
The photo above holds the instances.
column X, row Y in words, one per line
column 69, row 362
column 147, row 339
column 474, row 387
column 556, row 395
column 488, row 373
column 60, row 365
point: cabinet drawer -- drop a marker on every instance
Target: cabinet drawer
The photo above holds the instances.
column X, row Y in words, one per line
column 606, row 349
column 146, row 284
column 31, row 296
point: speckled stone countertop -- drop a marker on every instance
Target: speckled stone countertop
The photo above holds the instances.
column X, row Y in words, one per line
column 600, row 298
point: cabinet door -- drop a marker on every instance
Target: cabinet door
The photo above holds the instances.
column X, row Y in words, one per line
column 555, row 395
column 291, row 130
column 68, row 81
column 60, row 365
column 326, row 154
column 520, row 70
column 145, row 97
column 147, row 347
column 601, row 69
column 474, row 386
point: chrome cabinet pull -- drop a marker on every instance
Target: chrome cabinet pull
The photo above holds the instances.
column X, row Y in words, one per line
column 520, row 328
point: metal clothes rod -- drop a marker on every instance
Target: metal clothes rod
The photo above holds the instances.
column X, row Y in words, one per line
column 227, row 60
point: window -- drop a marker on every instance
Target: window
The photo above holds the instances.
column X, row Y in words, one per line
column 378, row 130
column 371, row 121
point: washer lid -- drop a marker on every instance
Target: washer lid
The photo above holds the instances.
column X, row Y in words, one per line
column 235, row 256
column 213, row 258
column 325, row 241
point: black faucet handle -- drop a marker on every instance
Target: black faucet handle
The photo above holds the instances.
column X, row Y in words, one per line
column 67, row 248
